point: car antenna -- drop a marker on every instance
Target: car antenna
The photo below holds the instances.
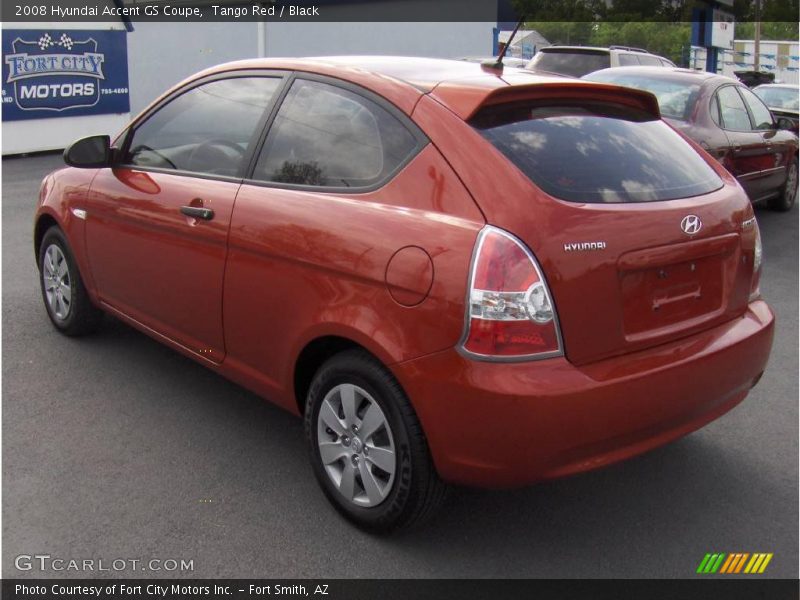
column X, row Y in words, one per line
column 498, row 64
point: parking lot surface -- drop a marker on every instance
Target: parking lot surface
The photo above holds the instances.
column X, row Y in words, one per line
column 115, row 447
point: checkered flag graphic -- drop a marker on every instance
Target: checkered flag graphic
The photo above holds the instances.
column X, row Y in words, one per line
column 65, row 41
column 45, row 41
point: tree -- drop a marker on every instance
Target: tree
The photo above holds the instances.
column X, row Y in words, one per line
column 646, row 10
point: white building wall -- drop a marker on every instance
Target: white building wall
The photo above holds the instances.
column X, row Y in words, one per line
column 162, row 54
column 780, row 58
column 436, row 40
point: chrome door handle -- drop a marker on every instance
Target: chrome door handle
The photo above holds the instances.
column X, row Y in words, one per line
column 198, row 213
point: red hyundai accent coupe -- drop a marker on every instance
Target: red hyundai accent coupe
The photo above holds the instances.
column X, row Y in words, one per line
column 454, row 274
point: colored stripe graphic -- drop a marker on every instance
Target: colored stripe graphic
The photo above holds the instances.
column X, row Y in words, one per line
column 720, row 562
column 711, row 563
column 741, row 563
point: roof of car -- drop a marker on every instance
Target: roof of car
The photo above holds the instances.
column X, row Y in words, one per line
column 669, row 73
column 788, row 86
column 460, row 85
column 558, row 48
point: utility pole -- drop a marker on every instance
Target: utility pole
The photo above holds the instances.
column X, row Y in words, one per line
column 757, row 38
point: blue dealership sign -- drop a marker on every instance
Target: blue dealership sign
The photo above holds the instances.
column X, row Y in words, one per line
column 54, row 73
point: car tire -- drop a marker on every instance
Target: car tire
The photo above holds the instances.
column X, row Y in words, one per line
column 785, row 201
column 373, row 492
column 64, row 295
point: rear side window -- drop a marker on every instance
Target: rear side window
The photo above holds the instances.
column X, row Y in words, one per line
column 650, row 61
column 732, row 109
column 628, row 60
column 571, row 62
column 592, row 152
column 327, row 136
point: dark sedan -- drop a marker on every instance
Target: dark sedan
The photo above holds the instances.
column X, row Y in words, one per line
column 728, row 120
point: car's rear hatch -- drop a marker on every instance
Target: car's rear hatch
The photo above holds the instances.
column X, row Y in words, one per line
column 575, row 62
column 641, row 239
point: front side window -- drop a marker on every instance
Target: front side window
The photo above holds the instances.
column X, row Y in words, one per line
column 761, row 114
column 596, row 152
column 732, row 110
column 206, row 129
column 327, row 136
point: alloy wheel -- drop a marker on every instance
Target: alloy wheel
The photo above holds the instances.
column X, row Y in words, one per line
column 356, row 445
column 57, row 282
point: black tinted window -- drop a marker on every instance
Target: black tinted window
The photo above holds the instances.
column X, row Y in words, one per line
column 575, row 63
column 204, row 130
column 327, row 136
column 732, row 109
column 597, row 152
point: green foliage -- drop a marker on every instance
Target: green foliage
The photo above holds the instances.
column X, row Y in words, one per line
column 669, row 11
column 670, row 40
column 665, row 39
column 769, row 31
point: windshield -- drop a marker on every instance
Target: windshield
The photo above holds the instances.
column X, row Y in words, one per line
column 592, row 152
column 775, row 97
column 570, row 62
column 675, row 98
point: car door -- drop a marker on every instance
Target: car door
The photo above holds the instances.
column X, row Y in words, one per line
column 307, row 217
column 158, row 221
column 749, row 154
column 777, row 142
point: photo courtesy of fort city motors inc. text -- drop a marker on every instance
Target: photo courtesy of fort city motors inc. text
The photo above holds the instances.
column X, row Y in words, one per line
column 355, row 299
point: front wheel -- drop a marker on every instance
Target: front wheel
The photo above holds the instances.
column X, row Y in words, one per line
column 788, row 194
column 367, row 447
column 65, row 297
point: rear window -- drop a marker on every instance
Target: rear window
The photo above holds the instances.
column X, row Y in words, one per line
column 593, row 152
column 571, row 62
column 779, row 98
column 676, row 99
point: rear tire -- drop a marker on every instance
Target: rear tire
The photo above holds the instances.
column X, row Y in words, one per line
column 65, row 297
column 368, row 450
column 788, row 194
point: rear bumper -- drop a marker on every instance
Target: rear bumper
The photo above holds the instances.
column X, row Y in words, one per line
column 508, row 424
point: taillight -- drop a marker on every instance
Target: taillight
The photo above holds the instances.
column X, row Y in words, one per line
column 755, row 291
column 510, row 312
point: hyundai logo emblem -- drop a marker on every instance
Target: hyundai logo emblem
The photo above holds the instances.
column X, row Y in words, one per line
column 691, row 224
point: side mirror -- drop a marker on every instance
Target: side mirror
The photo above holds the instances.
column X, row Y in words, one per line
column 89, row 152
column 784, row 123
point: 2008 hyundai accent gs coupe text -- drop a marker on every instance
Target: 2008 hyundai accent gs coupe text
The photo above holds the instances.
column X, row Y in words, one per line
column 455, row 274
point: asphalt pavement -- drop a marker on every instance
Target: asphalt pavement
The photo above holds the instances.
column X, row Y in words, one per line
column 115, row 447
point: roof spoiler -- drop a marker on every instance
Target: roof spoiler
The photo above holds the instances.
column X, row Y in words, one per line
column 466, row 102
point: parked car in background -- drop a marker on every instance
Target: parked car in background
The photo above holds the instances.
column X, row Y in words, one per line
column 782, row 100
column 577, row 61
column 728, row 121
column 453, row 274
